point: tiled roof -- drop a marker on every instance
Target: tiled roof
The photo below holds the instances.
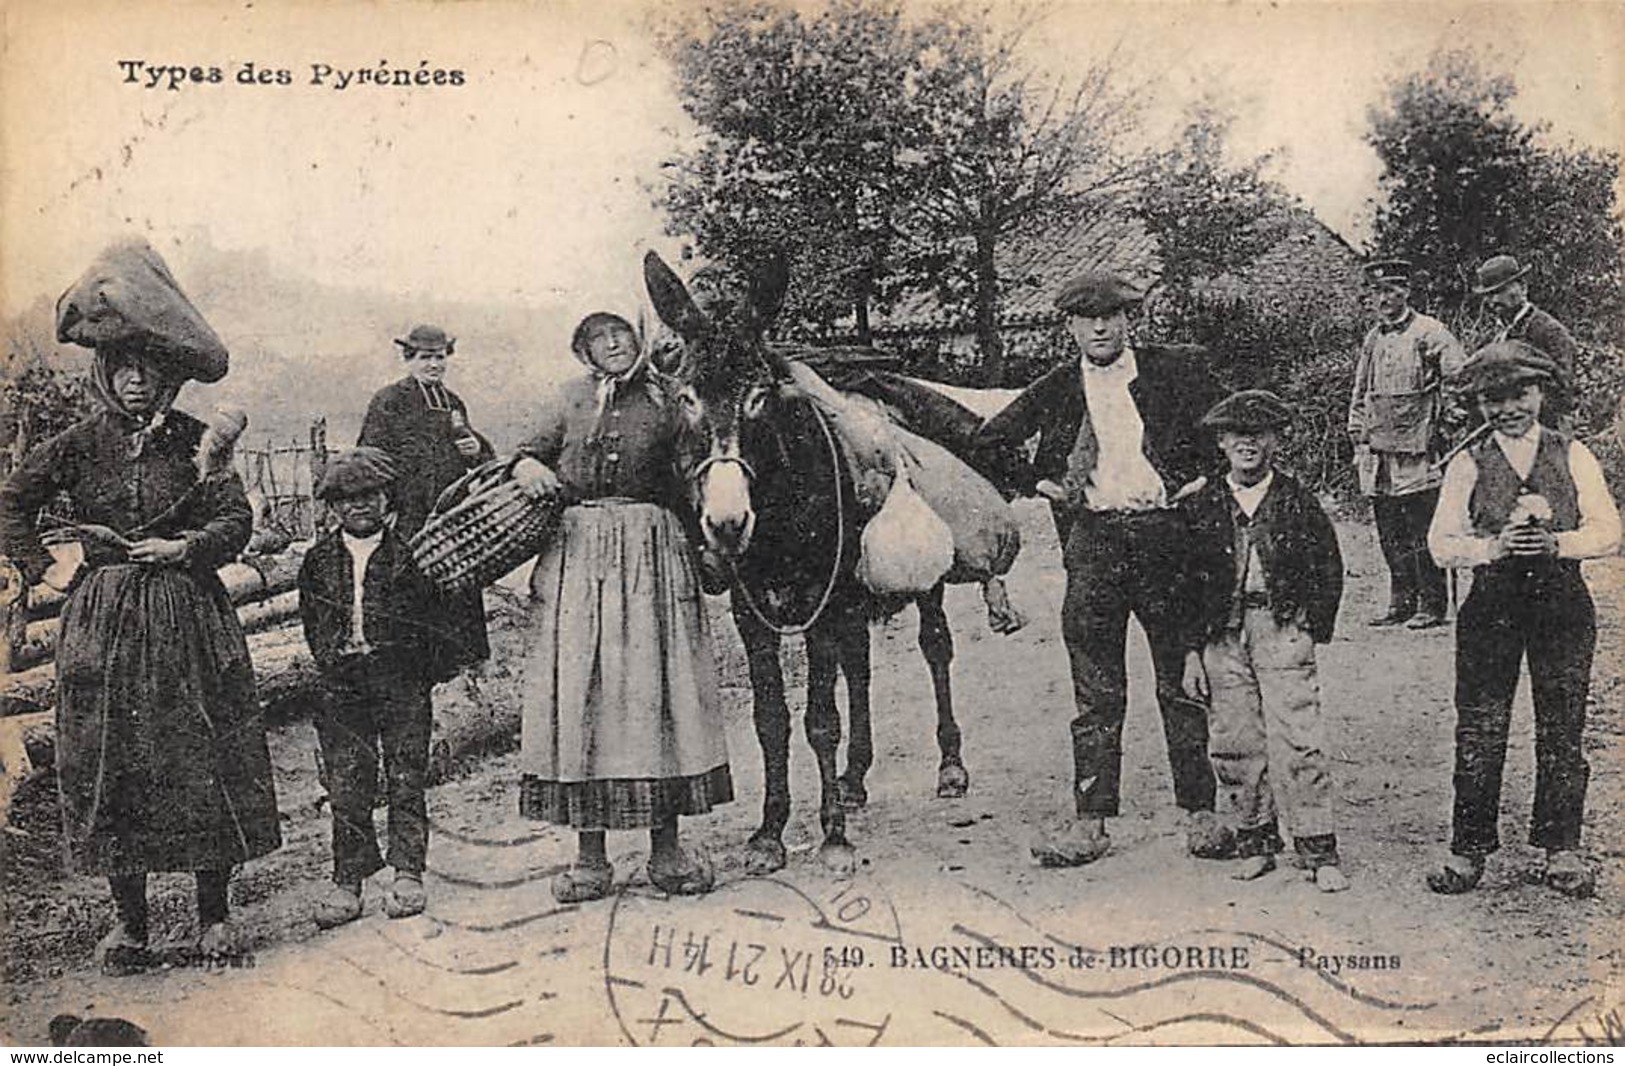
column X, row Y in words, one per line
column 1310, row 261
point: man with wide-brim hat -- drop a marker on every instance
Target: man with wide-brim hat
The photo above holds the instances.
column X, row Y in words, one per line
column 1521, row 507
column 425, row 427
column 1394, row 416
column 1118, row 445
column 1499, row 280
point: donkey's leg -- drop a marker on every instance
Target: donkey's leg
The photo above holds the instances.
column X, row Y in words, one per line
column 764, row 853
column 824, row 734
column 937, row 645
column 852, row 637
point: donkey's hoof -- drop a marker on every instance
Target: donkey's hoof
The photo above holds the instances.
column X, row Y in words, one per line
column 851, row 795
column 840, row 859
column 764, row 855
column 952, row 781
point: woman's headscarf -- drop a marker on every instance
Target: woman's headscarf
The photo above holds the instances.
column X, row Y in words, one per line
column 167, row 386
column 611, row 383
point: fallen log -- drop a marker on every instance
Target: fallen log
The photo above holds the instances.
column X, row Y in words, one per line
column 251, row 578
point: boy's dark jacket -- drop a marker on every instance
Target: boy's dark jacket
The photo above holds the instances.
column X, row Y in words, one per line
column 1296, row 543
column 402, row 610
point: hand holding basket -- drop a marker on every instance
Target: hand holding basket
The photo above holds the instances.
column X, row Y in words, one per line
column 483, row 525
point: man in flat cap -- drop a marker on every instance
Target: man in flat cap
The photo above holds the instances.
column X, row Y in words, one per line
column 373, row 623
column 1118, row 447
column 424, row 427
column 1394, row 424
column 1521, row 507
column 1500, row 282
column 1266, row 578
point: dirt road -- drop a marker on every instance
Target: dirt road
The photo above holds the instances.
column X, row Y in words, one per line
column 949, row 933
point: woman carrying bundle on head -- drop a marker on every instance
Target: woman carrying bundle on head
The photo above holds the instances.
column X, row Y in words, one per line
column 161, row 758
column 621, row 724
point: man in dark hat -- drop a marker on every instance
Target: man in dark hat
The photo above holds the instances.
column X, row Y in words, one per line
column 425, row 427
column 1500, row 281
column 1266, row 577
column 372, row 622
column 1394, row 424
column 1118, row 447
column 1522, row 508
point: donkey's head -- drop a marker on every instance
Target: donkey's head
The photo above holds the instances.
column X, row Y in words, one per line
column 726, row 382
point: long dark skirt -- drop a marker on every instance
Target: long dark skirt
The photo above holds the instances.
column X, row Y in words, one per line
column 161, row 758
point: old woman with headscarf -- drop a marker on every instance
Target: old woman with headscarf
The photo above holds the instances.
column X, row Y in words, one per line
column 161, row 756
column 622, row 727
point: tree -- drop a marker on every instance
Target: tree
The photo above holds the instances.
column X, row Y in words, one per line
column 804, row 149
column 885, row 153
column 1464, row 178
column 1013, row 150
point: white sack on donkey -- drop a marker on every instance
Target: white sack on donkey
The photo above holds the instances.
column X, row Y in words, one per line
column 906, row 547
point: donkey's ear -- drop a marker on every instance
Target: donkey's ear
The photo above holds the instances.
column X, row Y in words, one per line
column 768, row 284
column 671, row 299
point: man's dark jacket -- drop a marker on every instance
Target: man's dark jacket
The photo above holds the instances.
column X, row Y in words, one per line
column 1303, row 568
column 1556, row 343
column 1172, row 391
column 403, row 615
column 423, row 442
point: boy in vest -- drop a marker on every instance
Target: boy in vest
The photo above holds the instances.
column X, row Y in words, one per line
column 1522, row 508
column 1266, row 579
column 369, row 616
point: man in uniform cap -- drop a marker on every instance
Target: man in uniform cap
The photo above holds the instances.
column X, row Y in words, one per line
column 1393, row 422
column 1521, row 507
column 1500, row 281
column 373, row 623
column 1118, row 445
column 1266, row 578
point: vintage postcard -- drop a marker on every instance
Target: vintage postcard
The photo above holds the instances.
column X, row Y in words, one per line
column 853, row 523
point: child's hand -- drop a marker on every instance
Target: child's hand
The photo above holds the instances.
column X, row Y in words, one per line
column 1195, row 682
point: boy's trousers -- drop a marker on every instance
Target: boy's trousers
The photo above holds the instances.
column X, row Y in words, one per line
column 1265, row 736
column 372, row 708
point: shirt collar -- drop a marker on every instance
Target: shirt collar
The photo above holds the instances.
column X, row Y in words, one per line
column 1524, row 443
column 1123, row 367
column 1250, row 494
column 1396, row 325
column 351, row 538
column 1523, row 313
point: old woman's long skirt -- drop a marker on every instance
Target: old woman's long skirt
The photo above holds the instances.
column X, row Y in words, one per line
column 622, row 726
column 161, row 755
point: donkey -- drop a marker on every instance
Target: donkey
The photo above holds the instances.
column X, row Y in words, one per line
column 774, row 498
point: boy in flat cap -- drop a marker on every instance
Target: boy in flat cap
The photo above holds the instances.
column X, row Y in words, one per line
column 1118, row 447
column 370, row 619
column 1267, row 578
column 1394, row 423
column 1522, row 508
column 1499, row 280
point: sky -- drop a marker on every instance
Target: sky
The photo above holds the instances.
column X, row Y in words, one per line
column 530, row 183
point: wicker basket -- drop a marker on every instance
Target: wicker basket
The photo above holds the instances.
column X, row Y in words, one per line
column 483, row 526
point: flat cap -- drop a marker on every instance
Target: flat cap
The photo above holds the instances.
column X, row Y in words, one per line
column 427, row 338
column 1504, row 364
column 356, row 472
column 1097, row 293
column 1388, row 272
column 1249, row 409
column 1496, row 272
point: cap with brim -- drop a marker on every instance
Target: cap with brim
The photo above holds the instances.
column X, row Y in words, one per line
column 1496, row 273
column 1505, row 364
column 355, row 473
column 1250, row 409
column 1389, row 272
column 1098, row 293
column 427, row 339
column 128, row 299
